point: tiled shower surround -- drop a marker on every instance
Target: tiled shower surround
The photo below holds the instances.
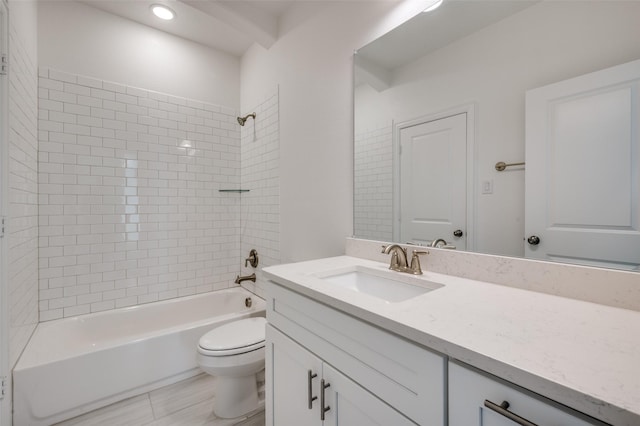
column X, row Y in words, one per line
column 260, row 174
column 373, row 189
column 130, row 210
column 22, row 262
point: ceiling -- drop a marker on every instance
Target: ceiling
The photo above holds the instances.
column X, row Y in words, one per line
column 231, row 26
column 427, row 32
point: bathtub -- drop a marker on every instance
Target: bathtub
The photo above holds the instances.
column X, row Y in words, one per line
column 74, row 365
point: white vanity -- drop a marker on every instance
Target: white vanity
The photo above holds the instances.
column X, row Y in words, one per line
column 457, row 352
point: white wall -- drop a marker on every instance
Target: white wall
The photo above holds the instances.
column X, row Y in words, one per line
column 77, row 38
column 312, row 64
column 548, row 42
column 129, row 215
column 21, row 287
column 23, row 177
column 130, row 210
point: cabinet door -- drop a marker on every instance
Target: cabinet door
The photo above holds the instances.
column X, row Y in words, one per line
column 351, row 405
column 288, row 391
column 469, row 389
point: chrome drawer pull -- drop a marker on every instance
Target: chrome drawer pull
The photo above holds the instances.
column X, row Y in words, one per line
column 502, row 409
column 310, row 377
column 323, row 409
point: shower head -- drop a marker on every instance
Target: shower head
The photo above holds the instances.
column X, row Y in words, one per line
column 242, row 120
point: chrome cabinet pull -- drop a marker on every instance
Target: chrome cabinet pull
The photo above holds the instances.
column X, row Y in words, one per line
column 502, row 409
column 311, row 398
column 323, row 409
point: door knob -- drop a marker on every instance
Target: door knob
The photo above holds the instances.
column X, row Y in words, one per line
column 533, row 240
column 458, row 233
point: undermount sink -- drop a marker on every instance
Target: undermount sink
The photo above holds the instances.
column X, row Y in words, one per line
column 386, row 285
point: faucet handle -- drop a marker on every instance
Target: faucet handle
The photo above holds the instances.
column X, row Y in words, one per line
column 395, row 262
column 252, row 259
column 415, row 261
column 383, row 249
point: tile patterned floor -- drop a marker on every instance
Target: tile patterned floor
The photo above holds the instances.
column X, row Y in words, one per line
column 186, row 403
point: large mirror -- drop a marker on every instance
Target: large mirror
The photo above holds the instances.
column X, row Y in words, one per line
column 456, row 84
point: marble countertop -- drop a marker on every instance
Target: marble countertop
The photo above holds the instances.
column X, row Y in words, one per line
column 581, row 354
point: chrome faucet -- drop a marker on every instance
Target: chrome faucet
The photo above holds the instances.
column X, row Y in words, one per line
column 397, row 253
column 399, row 261
column 241, row 278
column 437, row 241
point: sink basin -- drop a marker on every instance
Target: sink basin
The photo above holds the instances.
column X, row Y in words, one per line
column 389, row 286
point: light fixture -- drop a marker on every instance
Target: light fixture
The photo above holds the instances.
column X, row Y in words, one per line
column 163, row 12
column 433, row 6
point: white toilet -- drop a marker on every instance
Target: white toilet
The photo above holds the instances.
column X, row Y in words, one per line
column 234, row 353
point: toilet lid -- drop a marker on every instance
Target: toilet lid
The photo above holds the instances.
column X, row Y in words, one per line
column 247, row 334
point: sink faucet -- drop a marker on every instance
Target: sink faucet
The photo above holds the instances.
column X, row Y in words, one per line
column 399, row 261
column 398, row 257
column 437, row 241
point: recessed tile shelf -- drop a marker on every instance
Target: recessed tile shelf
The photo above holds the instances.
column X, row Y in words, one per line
column 234, row 190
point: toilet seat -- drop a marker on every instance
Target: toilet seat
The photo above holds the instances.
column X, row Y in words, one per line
column 236, row 337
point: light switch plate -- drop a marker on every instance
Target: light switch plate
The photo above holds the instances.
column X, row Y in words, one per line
column 487, row 186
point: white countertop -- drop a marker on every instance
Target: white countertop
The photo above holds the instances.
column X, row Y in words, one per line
column 581, row 354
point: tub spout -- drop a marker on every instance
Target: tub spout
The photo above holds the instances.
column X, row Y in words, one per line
column 241, row 278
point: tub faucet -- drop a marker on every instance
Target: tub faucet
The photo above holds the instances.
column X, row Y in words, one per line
column 399, row 261
column 241, row 278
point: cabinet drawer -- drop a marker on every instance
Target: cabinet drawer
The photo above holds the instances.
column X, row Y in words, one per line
column 469, row 389
column 406, row 376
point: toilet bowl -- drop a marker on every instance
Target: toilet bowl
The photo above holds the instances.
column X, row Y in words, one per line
column 234, row 354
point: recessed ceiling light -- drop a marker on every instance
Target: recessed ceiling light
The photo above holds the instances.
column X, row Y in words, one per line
column 163, row 12
column 433, row 6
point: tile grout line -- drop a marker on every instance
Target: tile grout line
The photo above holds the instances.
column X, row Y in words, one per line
column 153, row 412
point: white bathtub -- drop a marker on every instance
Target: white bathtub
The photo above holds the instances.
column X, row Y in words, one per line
column 75, row 365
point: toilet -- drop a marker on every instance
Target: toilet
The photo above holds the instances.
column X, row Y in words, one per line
column 234, row 354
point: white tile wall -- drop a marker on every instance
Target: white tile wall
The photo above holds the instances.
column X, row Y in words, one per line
column 23, row 195
column 373, row 189
column 130, row 209
column 261, row 175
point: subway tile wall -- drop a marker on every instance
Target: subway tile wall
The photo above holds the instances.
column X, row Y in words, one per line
column 130, row 209
column 260, row 148
column 22, row 227
column 373, row 188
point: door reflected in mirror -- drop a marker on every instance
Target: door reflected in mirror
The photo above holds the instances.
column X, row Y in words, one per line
column 484, row 56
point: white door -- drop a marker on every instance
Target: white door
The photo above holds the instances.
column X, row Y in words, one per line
column 293, row 382
column 433, row 181
column 582, row 172
column 349, row 404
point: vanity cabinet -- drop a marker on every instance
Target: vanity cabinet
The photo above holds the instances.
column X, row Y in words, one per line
column 374, row 376
column 292, row 398
column 310, row 392
column 479, row 399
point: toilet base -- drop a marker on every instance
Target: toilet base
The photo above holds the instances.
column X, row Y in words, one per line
column 235, row 396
